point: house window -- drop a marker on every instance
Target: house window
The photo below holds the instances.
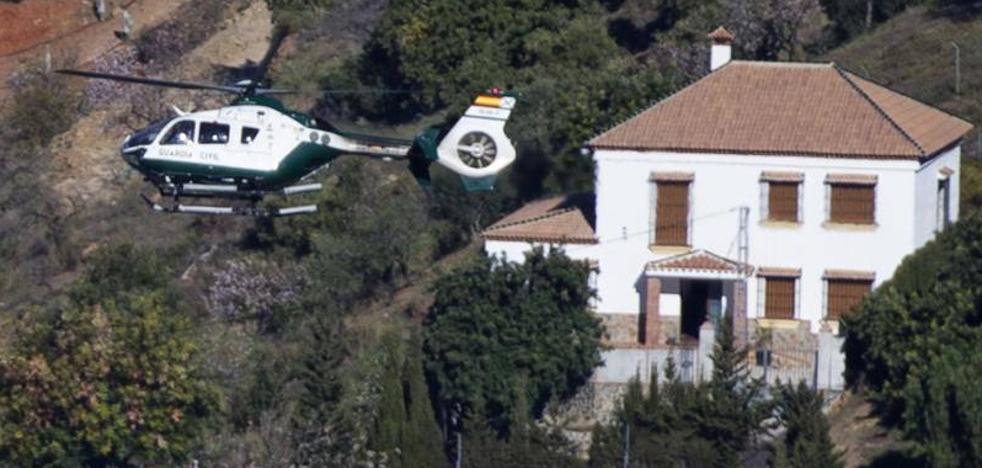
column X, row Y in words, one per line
column 944, row 203
column 843, row 295
column 781, row 196
column 852, row 199
column 671, row 208
column 782, row 201
column 779, row 292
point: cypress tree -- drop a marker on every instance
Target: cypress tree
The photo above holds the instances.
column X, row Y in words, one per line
column 390, row 416
column 325, row 432
column 423, row 442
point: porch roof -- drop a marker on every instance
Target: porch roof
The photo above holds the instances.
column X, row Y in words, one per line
column 698, row 263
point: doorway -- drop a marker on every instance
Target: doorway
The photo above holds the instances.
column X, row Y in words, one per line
column 701, row 301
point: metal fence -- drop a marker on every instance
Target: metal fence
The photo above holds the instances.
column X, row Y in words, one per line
column 774, row 364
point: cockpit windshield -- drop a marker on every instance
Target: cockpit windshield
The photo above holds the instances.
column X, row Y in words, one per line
column 147, row 135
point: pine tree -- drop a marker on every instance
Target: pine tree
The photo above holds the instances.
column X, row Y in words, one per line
column 732, row 412
column 806, row 441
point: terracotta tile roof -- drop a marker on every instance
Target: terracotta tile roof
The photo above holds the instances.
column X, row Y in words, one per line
column 562, row 219
column 701, row 261
column 788, row 108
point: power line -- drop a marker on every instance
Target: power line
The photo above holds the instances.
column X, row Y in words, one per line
column 627, row 236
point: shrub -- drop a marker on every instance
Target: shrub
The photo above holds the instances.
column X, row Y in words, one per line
column 43, row 107
column 114, row 385
column 495, row 323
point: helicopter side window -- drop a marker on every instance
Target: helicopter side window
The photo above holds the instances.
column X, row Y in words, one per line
column 182, row 133
column 213, row 133
column 249, row 135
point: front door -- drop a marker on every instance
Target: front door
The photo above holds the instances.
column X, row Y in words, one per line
column 695, row 296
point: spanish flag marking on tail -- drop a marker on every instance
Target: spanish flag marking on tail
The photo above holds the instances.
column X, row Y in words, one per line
column 488, row 101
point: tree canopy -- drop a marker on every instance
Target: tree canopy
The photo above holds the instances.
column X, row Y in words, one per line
column 495, row 324
column 903, row 339
column 104, row 382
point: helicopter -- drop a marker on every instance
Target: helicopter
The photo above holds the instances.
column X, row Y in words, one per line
column 255, row 146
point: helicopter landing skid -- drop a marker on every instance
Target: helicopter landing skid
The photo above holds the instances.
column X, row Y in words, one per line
column 252, row 210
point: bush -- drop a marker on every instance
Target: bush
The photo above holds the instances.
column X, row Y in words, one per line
column 495, row 323
column 907, row 344
column 944, row 408
column 43, row 107
column 114, row 385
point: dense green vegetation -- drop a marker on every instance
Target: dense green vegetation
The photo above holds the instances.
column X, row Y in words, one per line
column 913, row 344
column 806, row 442
column 113, row 376
column 707, row 425
column 303, row 341
column 498, row 328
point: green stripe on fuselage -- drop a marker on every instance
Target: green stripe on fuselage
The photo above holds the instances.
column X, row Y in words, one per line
column 302, row 160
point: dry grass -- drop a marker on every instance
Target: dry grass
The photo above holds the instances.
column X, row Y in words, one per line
column 912, row 53
column 855, row 429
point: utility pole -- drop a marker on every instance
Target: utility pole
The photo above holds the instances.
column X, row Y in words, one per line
column 958, row 67
column 743, row 239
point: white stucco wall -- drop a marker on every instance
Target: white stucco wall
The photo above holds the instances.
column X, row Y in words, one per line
column 926, row 211
column 723, row 183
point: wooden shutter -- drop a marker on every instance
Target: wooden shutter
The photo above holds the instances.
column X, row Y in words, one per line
column 779, row 298
column 852, row 203
column 672, row 216
column 844, row 294
column 782, row 201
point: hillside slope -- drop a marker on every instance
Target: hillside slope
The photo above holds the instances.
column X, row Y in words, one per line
column 913, row 53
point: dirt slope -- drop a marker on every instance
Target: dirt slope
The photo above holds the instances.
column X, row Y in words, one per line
column 87, row 167
column 68, row 28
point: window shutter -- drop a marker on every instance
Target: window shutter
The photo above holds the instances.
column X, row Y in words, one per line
column 779, row 298
column 783, row 201
column 844, row 295
column 852, row 203
column 672, row 217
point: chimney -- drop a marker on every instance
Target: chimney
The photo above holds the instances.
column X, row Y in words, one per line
column 721, row 50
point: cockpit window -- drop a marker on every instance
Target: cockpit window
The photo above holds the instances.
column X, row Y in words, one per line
column 249, row 135
column 213, row 133
column 147, row 135
column 182, row 133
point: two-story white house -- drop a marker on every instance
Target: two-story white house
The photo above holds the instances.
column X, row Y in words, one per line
column 777, row 194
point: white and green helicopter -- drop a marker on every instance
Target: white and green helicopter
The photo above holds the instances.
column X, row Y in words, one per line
column 255, row 147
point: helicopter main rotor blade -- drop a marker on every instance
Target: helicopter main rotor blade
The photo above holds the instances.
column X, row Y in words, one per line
column 279, row 35
column 366, row 91
column 153, row 81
